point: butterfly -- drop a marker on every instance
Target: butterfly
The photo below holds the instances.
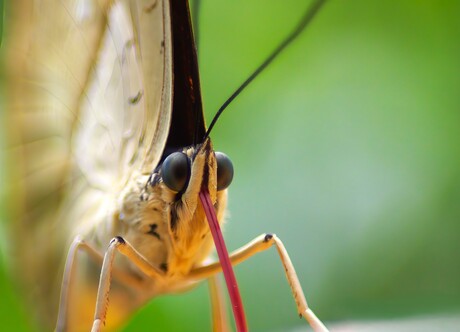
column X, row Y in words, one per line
column 114, row 152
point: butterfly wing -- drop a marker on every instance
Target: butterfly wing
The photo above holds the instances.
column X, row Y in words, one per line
column 89, row 86
column 43, row 82
column 125, row 109
column 124, row 112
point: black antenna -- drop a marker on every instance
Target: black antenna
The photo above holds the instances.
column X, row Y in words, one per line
column 309, row 15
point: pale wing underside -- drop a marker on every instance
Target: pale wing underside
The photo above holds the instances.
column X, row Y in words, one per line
column 89, row 97
column 47, row 57
column 123, row 119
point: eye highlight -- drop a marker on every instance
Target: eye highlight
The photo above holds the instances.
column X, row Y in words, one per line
column 224, row 171
column 175, row 171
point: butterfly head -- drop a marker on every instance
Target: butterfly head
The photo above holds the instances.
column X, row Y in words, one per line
column 196, row 168
column 177, row 183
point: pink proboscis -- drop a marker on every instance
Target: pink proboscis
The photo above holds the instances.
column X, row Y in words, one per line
column 232, row 286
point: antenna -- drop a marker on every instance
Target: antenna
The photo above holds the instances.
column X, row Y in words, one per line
column 306, row 19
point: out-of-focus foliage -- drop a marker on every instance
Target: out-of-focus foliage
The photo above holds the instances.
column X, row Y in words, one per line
column 346, row 147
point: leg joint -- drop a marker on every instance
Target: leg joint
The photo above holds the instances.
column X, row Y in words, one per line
column 268, row 237
column 117, row 240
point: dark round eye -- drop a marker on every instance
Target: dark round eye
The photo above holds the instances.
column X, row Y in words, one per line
column 224, row 171
column 175, row 171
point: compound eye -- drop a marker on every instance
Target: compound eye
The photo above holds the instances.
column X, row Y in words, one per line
column 224, row 171
column 175, row 171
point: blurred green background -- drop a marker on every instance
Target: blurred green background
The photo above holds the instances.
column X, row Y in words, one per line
column 347, row 147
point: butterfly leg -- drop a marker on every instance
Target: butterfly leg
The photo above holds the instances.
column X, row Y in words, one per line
column 219, row 313
column 79, row 245
column 67, row 280
column 118, row 244
column 262, row 243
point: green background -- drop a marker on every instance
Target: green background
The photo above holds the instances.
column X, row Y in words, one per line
column 347, row 147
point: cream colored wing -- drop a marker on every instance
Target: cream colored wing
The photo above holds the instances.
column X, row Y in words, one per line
column 124, row 112
column 89, row 97
column 47, row 56
column 122, row 127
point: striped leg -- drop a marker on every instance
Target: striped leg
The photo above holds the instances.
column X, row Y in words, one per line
column 262, row 243
column 118, row 244
column 219, row 313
